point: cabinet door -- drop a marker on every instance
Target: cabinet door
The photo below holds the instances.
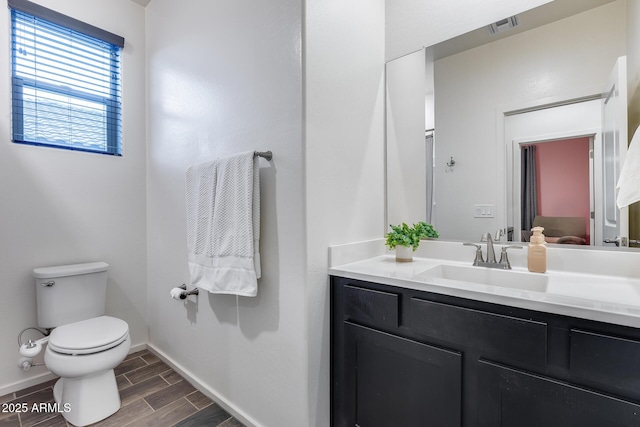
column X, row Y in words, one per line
column 399, row 382
column 512, row 398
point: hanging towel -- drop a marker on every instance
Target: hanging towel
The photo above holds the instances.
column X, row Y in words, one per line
column 223, row 224
column 629, row 181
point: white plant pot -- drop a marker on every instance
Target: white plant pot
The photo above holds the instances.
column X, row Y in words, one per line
column 404, row 253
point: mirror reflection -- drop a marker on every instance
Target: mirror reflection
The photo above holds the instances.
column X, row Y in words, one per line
column 495, row 132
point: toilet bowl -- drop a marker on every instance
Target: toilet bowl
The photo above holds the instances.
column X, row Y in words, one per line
column 83, row 354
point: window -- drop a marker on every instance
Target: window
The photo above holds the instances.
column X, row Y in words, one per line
column 65, row 81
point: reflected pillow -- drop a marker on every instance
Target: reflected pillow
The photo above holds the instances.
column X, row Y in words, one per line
column 571, row 240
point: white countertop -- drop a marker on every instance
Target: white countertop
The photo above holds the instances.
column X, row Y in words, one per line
column 601, row 297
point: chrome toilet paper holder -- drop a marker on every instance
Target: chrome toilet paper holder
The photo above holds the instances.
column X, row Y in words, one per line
column 185, row 293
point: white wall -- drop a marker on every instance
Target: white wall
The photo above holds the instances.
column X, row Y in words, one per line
column 406, row 89
column 344, row 93
column 60, row 206
column 226, row 77
column 268, row 357
column 633, row 63
column 473, row 85
column 414, row 24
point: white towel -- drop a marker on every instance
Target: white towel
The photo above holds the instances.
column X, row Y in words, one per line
column 629, row 181
column 223, row 224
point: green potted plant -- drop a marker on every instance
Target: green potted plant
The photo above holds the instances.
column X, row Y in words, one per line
column 405, row 239
column 425, row 231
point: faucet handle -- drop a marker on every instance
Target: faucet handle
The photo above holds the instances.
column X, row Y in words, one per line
column 479, row 257
column 504, row 259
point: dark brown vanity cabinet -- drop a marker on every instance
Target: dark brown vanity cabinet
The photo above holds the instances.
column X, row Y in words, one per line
column 402, row 357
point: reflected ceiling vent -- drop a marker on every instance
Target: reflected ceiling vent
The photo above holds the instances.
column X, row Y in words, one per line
column 503, row 25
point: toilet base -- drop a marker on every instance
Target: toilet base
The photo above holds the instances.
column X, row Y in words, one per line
column 89, row 399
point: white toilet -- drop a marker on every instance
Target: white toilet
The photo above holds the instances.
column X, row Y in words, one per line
column 85, row 345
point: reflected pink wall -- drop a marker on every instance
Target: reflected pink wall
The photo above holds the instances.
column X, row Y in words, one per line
column 563, row 178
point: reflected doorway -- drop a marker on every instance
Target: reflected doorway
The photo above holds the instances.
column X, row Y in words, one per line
column 556, row 189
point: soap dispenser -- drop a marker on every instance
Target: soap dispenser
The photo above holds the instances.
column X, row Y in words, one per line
column 537, row 256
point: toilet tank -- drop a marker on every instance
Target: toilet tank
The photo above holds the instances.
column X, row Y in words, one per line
column 70, row 293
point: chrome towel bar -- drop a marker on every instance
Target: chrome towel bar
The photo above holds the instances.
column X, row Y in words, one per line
column 267, row 155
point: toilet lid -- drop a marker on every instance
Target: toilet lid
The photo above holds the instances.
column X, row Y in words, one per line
column 89, row 336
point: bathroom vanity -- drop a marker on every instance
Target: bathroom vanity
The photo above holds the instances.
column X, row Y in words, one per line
column 409, row 349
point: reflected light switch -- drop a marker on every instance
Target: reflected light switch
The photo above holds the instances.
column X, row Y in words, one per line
column 483, row 211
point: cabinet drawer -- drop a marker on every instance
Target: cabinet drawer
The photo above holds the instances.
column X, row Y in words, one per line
column 605, row 360
column 371, row 307
column 509, row 339
column 510, row 397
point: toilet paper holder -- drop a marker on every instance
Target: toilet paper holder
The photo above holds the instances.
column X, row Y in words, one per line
column 185, row 293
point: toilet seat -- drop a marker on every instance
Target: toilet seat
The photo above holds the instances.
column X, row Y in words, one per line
column 89, row 336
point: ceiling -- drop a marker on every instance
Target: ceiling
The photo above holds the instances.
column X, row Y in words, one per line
column 553, row 11
column 542, row 15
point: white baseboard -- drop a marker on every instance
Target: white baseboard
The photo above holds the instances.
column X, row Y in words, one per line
column 206, row 390
column 26, row 383
column 138, row 347
column 46, row 376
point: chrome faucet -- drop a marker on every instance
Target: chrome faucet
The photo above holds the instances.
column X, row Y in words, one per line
column 491, row 254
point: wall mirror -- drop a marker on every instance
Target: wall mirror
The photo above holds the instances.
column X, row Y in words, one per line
column 461, row 114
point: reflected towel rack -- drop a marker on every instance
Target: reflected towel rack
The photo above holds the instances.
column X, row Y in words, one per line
column 268, row 155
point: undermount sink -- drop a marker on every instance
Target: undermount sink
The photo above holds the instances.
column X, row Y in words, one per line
column 489, row 276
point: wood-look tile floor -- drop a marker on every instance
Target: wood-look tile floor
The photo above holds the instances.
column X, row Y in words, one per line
column 152, row 395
